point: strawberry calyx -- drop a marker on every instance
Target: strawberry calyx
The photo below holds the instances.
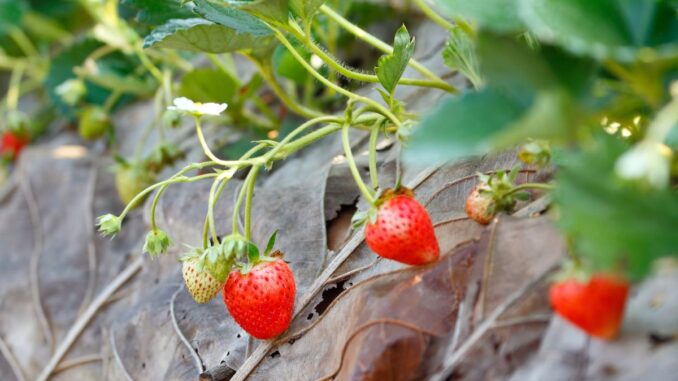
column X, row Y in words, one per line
column 214, row 259
column 251, row 252
column 572, row 270
column 575, row 269
column 157, row 242
column 499, row 188
column 363, row 216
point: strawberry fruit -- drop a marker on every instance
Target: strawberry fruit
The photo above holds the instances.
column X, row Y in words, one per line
column 402, row 229
column 202, row 286
column 480, row 206
column 595, row 306
column 11, row 144
column 262, row 300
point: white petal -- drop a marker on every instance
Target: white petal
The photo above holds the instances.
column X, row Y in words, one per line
column 183, row 104
column 211, row 108
column 647, row 161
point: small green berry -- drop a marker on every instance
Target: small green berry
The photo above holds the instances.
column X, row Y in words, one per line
column 109, row 225
column 157, row 242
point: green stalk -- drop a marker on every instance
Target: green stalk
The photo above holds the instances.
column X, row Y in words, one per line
column 208, row 152
column 23, row 42
column 354, row 168
column 162, row 189
column 267, row 74
column 101, row 52
column 172, row 180
column 236, row 209
column 210, row 208
column 435, row 17
column 222, row 66
column 221, row 188
column 252, row 179
column 331, row 40
column 283, row 143
column 374, row 136
column 205, row 234
column 381, row 109
column 527, row 186
column 375, row 42
column 14, row 86
column 111, row 100
column 299, row 34
column 155, row 72
column 314, row 136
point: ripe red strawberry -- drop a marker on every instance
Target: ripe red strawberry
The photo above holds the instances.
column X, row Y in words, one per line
column 12, row 144
column 597, row 307
column 262, row 301
column 403, row 230
column 480, row 206
column 202, row 286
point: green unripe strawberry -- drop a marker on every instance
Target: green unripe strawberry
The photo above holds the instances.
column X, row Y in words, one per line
column 130, row 180
column 93, row 123
column 202, row 286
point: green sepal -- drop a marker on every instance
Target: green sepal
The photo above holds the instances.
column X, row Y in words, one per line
column 157, row 242
column 228, row 247
column 573, row 269
column 216, row 263
column 252, row 252
column 200, row 263
column 513, row 175
column 271, row 243
column 240, row 248
column 359, row 218
column 109, row 225
column 372, row 215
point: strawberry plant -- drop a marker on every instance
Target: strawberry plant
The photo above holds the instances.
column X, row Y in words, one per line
column 547, row 93
column 585, row 92
column 251, row 30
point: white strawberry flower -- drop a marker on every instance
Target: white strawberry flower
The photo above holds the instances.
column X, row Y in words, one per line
column 187, row 106
column 648, row 161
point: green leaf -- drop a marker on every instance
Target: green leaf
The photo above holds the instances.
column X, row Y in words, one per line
column 390, row 67
column 11, row 14
column 61, row 70
column 460, row 54
column 305, row 9
column 272, row 10
column 513, row 66
column 154, row 12
column 462, row 126
column 209, row 85
column 626, row 30
column 499, row 15
column 231, row 17
column 553, row 115
column 202, row 36
column 613, row 223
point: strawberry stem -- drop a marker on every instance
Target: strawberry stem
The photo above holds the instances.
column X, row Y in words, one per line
column 351, row 95
column 353, row 167
column 374, row 137
column 377, row 43
column 251, row 180
column 526, row 186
